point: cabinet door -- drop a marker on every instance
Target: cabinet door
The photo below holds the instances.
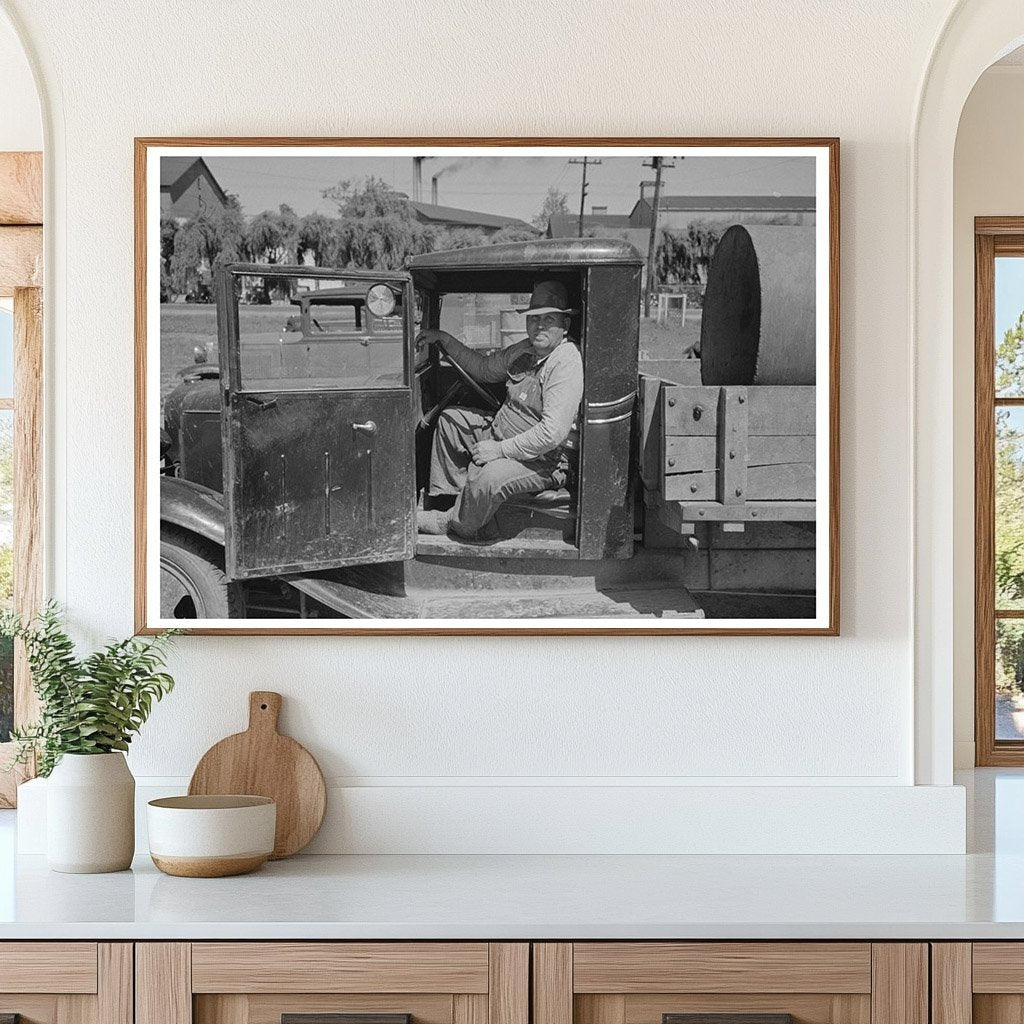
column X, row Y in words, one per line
column 730, row 983
column 980, row 982
column 332, row 983
column 66, row 982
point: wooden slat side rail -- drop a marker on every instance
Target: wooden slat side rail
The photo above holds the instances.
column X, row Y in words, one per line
column 775, row 411
column 951, row 983
column 508, row 991
column 552, row 983
column 21, row 188
column 21, row 259
column 115, row 983
column 721, row 967
column 899, row 983
column 65, row 967
column 998, row 967
column 163, row 983
column 339, row 967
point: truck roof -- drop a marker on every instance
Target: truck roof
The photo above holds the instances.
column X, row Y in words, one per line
column 545, row 252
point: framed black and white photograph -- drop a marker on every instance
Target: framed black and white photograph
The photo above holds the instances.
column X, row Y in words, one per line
column 487, row 385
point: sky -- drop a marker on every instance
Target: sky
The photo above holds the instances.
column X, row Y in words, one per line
column 1009, row 293
column 513, row 186
column 6, row 353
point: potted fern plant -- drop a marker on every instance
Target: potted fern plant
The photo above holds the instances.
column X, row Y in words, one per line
column 90, row 708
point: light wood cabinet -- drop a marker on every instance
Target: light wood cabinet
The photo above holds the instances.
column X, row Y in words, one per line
column 66, row 982
column 261, row 982
column 978, row 983
column 752, row 982
column 512, row 982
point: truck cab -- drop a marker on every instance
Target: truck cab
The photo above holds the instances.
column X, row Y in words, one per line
column 314, row 436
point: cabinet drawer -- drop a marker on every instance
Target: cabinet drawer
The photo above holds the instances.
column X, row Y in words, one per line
column 730, row 983
column 66, row 982
column 332, row 983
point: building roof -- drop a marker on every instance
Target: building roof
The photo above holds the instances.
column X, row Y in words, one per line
column 760, row 204
column 467, row 218
column 566, row 225
column 174, row 168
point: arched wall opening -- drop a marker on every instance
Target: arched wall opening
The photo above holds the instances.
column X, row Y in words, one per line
column 975, row 36
column 986, row 182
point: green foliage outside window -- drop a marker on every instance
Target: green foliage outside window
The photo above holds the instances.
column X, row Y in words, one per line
column 1009, row 510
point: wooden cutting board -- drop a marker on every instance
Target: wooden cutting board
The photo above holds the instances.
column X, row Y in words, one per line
column 262, row 762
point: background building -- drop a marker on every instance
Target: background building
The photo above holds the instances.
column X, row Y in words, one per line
column 188, row 188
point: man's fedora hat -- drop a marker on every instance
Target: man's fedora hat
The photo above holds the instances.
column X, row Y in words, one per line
column 548, row 297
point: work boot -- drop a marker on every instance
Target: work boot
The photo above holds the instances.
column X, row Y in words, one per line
column 433, row 522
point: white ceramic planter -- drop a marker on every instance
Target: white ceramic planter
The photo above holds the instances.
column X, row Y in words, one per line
column 90, row 814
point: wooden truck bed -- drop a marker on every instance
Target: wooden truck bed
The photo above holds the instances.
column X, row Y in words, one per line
column 727, row 454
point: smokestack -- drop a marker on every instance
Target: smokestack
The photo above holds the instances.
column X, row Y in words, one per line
column 433, row 188
column 644, row 186
column 417, row 177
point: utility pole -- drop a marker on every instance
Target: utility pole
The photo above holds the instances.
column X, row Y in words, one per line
column 657, row 163
column 583, row 190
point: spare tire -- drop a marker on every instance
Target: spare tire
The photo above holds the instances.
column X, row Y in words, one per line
column 758, row 325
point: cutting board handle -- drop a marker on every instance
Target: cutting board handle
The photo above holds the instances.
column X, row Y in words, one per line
column 264, row 710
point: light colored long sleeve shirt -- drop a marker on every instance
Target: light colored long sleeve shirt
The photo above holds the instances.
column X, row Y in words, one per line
column 543, row 396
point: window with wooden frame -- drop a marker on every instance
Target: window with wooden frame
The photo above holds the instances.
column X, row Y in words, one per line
column 21, row 364
column 999, row 490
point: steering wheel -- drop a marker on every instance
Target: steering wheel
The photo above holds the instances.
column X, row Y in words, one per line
column 435, row 361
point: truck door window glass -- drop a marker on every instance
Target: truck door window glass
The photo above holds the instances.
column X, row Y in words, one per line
column 294, row 336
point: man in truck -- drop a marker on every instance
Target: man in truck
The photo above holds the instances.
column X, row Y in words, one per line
column 478, row 460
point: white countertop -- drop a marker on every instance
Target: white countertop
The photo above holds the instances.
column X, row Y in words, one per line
column 977, row 896
column 517, row 897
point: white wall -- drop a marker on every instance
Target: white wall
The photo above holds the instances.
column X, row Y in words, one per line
column 429, row 716
column 987, row 181
column 21, row 126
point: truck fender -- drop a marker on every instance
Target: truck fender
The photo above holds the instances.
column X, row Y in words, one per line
column 193, row 507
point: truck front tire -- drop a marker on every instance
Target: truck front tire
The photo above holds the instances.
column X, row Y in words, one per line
column 192, row 580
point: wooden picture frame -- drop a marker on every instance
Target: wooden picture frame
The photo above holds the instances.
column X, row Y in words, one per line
column 726, row 506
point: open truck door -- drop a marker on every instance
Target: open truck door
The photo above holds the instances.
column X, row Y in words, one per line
column 317, row 418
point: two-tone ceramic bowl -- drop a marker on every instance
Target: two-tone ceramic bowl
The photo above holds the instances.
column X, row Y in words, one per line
column 211, row 836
